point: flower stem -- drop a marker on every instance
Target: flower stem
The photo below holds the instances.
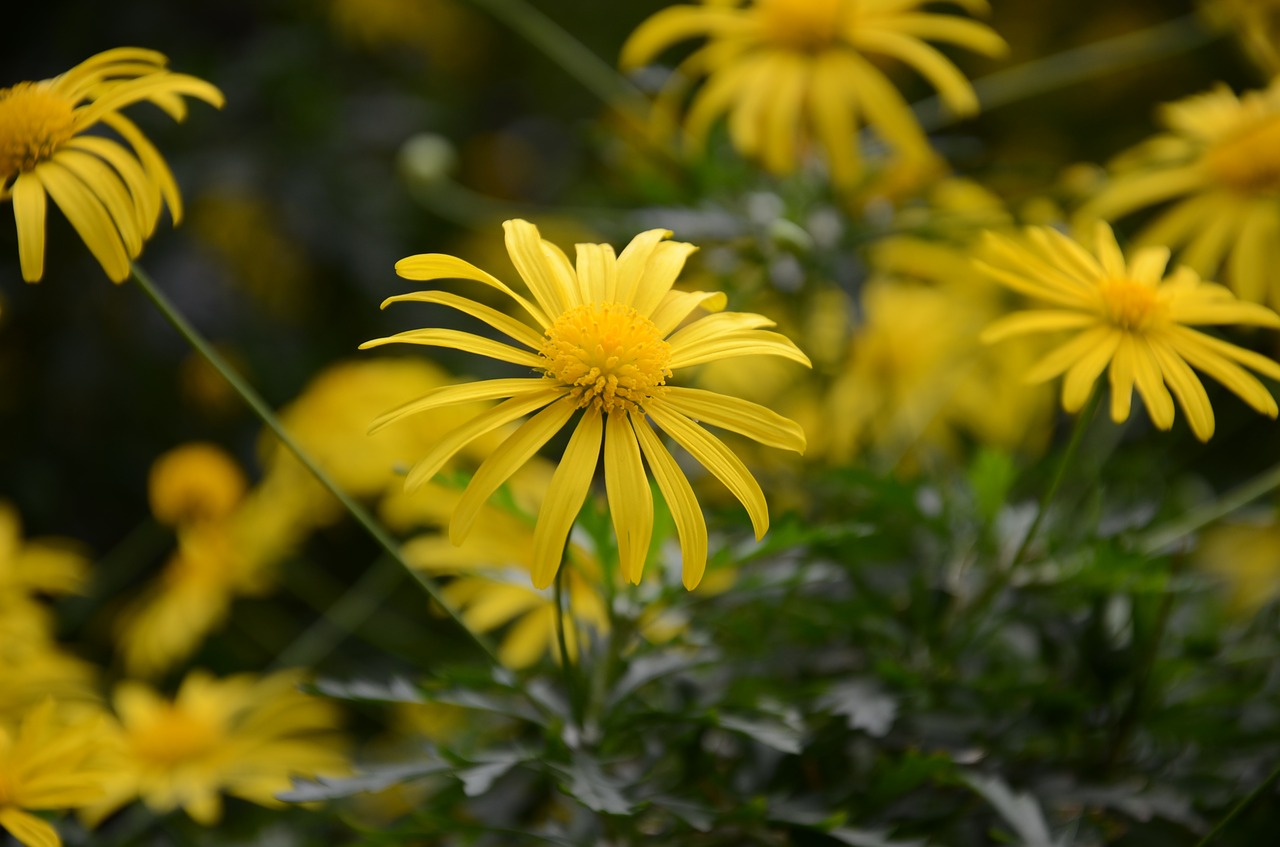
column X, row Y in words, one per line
column 1240, row 806
column 265, row 414
column 1198, row 518
column 571, row 686
column 594, row 74
column 1068, row 455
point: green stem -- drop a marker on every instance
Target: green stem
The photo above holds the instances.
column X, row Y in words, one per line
column 1200, row 517
column 593, row 73
column 1073, row 67
column 344, row 617
column 1077, row 436
column 570, row 684
column 264, row 413
column 1239, row 807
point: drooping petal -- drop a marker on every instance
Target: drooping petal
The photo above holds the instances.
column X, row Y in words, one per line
column 1192, row 347
column 834, row 115
column 972, row 35
column 734, row 344
column 1150, row 383
column 153, row 164
column 143, row 88
column 509, row 457
column 630, row 501
column 564, row 498
column 1121, row 377
column 691, row 526
column 1058, row 360
column 86, row 213
column 675, row 24
column 737, row 415
column 452, row 395
column 678, row 305
column 952, row 86
column 482, row 424
column 30, row 210
column 107, row 186
column 1085, row 371
column 1186, row 387
column 30, row 830
column 1035, row 321
column 146, row 195
column 712, row 454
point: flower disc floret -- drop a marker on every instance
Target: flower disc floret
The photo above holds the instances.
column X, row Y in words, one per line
column 804, row 25
column 612, row 358
column 1128, row 303
column 1250, row 161
column 34, row 123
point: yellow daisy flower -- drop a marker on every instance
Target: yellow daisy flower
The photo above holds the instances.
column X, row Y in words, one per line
column 1243, row 556
column 49, row 763
column 1220, row 165
column 787, row 71
column 30, row 567
column 608, row 336
column 1129, row 319
column 240, row 736
column 111, row 192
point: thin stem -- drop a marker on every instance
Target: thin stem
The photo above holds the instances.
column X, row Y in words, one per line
column 566, row 666
column 593, row 73
column 264, row 413
column 1200, row 517
column 1077, row 436
column 1239, row 807
column 344, row 617
column 1075, row 66
column 1129, row 719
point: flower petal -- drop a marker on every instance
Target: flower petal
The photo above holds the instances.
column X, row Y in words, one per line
column 459, row 340
column 737, row 415
column 30, row 210
column 597, row 273
column 452, row 395
column 505, row 324
column 1086, row 370
column 717, row 458
column 565, row 495
column 1150, row 382
column 691, row 526
column 1186, row 387
column 678, row 305
column 30, row 830
column 733, row 344
column 660, row 273
column 429, row 266
column 633, row 261
column 630, row 500
column 88, row 216
column 1035, row 321
column 509, row 457
column 524, row 245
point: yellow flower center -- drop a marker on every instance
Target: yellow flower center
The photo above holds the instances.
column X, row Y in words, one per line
column 1250, row 161
column 176, row 736
column 805, row 25
column 611, row 356
column 1127, row 303
column 34, row 122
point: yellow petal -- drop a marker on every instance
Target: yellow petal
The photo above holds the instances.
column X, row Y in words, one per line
column 158, row 173
column 531, row 637
column 950, row 29
column 737, row 415
column 691, row 526
column 884, row 107
column 505, row 324
column 1108, row 250
column 833, row 112
column 458, row 340
column 30, row 210
column 717, row 458
column 482, row 424
column 675, row 24
column 524, row 245
column 1086, row 370
column 30, row 830
column 509, row 457
column 1253, row 257
column 1128, row 193
column 597, row 273
column 634, row 260
column 1150, row 382
column 1035, row 321
column 429, row 266
column 630, row 501
column 103, row 182
column 660, row 273
column 1186, row 387
column 1121, row 376
column 467, row 392
column 1209, row 245
column 781, row 114
column 565, row 495
column 116, row 97
column 87, row 215
column 678, row 305
column 1240, row 382
column 146, row 195
column 1060, row 358
column 952, row 86
column 1148, row 264
column 734, row 344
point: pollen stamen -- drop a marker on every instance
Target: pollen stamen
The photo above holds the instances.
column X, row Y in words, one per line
column 34, row 123
column 1127, row 303
column 609, row 355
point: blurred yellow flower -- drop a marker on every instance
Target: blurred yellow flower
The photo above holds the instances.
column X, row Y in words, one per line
column 216, row 561
column 1219, row 163
column 240, row 736
column 452, row 36
column 608, row 337
column 194, row 483
column 1247, row 558
column 1129, row 317
column 31, row 567
column 330, row 419
column 111, row 193
column 788, row 71
column 49, row 761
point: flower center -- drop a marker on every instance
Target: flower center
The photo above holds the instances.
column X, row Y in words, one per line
column 34, row 122
column 1250, row 161
column 805, row 25
column 610, row 355
column 175, row 736
column 1128, row 304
